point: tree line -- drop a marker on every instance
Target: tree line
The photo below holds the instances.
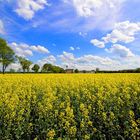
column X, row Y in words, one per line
column 8, row 56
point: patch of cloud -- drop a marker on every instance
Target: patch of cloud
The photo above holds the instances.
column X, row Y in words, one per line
column 99, row 44
column 26, row 50
column 91, row 62
column 2, row 30
column 120, row 50
column 28, row 8
column 21, row 49
column 81, row 16
column 123, row 32
column 68, row 57
column 15, row 66
column 40, row 49
column 96, row 13
column 87, row 62
column 94, row 59
column 74, row 48
column 87, row 7
column 50, row 59
column 117, row 36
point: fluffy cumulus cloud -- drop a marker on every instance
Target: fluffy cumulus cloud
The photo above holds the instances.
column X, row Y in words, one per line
column 93, row 59
column 26, row 50
column 99, row 44
column 87, row 62
column 118, row 36
column 2, row 30
column 21, row 49
column 120, row 50
column 50, row 59
column 27, row 8
column 123, row 32
column 91, row 62
column 40, row 49
column 67, row 57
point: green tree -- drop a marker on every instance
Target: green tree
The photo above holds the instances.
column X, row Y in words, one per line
column 25, row 64
column 76, row 71
column 84, row 71
column 7, row 55
column 36, row 68
column 52, row 69
column 47, row 68
column 57, row 69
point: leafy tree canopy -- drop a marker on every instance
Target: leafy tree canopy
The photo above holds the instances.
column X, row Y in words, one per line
column 7, row 55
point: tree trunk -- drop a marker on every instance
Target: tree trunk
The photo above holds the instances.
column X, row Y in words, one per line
column 3, row 69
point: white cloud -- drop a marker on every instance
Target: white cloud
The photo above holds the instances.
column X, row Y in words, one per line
column 120, row 50
column 77, row 19
column 72, row 48
column 123, row 32
column 27, row 8
column 118, row 36
column 90, row 62
column 68, row 57
column 87, row 62
column 97, row 43
column 15, row 66
column 87, row 7
column 2, row 30
column 26, row 50
column 93, row 59
column 40, row 49
column 50, row 59
column 21, row 49
column 101, row 14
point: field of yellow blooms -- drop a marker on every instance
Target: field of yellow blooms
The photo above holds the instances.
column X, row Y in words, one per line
column 70, row 106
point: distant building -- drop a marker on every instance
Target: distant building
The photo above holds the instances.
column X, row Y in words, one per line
column 69, row 70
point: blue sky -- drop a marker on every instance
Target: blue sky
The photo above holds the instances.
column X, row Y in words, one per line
column 83, row 34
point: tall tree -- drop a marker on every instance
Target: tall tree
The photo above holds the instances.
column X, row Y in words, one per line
column 47, row 68
column 25, row 64
column 76, row 71
column 36, row 68
column 7, row 55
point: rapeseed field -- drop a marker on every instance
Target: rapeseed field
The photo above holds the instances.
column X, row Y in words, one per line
column 70, row 106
